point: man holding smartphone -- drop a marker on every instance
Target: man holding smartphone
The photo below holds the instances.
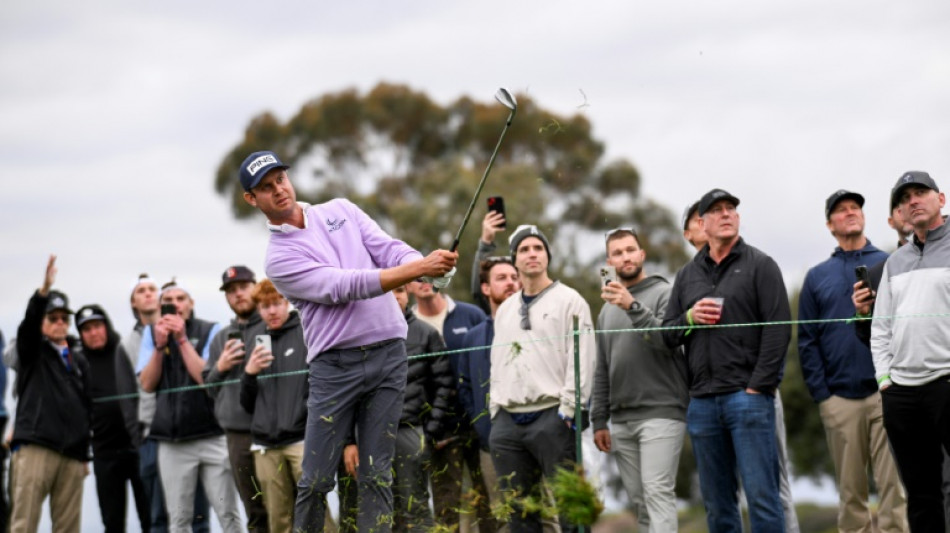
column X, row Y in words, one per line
column 337, row 266
column 639, row 384
column 226, row 359
column 191, row 443
column 839, row 373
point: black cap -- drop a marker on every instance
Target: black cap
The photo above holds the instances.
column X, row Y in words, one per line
column 714, row 196
column 236, row 273
column 57, row 301
column 688, row 214
column 911, row 177
column 838, row 196
column 256, row 166
column 88, row 313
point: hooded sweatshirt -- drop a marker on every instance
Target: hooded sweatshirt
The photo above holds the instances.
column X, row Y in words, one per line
column 115, row 425
column 278, row 406
column 638, row 377
column 227, row 397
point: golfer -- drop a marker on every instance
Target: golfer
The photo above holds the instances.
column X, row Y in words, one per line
column 337, row 266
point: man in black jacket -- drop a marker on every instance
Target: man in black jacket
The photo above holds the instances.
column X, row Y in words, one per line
column 734, row 371
column 51, row 434
column 116, row 435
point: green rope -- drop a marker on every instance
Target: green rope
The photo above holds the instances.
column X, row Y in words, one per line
column 203, row 386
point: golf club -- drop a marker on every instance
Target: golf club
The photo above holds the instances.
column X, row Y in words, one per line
column 506, row 99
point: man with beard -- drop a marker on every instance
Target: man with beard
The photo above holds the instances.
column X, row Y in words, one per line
column 51, row 433
column 226, row 362
column 191, row 443
column 839, row 374
column 115, row 424
column 533, row 377
column 639, row 385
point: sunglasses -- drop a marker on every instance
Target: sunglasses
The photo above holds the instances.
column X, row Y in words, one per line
column 58, row 317
column 622, row 229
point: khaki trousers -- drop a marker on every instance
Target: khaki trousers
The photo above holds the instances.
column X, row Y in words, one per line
column 36, row 473
column 278, row 471
column 856, row 437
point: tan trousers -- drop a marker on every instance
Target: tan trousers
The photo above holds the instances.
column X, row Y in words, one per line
column 36, row 473
column 278, row 470
column 856, row 438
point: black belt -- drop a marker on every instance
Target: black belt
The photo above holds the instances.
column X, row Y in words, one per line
column 368, row 347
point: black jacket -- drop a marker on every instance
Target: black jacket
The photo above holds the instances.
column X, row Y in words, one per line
column 279, row 405
column 725, row 360
column 53, row 407
column 183, row 415
column 429, row 390
column 115, row 422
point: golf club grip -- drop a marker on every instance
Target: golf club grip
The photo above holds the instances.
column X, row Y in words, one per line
column 455, row 246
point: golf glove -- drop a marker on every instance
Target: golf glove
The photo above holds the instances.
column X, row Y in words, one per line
column 441, row 282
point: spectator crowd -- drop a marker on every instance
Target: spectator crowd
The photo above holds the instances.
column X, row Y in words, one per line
column 349, row 368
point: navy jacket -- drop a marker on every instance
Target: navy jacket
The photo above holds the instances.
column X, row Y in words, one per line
column 460, row 318
column 833, row 359
column 475, row 378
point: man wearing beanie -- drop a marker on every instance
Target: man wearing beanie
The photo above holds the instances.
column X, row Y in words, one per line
column 733, row 372
column 51, row 434
column 532, row 376
column 910, row 344
column 230, row 348
column 191, row 443
column 337, row 266
column 115, row 424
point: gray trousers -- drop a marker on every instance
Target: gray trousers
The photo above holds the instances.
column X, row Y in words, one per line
column 180, row 464
column 361, row 389
column 523, row 455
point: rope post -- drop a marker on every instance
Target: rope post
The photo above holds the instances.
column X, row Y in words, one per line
column 579, row 452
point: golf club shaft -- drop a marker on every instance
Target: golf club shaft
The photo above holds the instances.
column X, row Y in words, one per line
column 481, row 184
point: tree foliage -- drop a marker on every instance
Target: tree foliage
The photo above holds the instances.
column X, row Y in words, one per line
column 413, row 165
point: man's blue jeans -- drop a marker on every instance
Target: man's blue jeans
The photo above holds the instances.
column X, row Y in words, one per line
column 732, row 433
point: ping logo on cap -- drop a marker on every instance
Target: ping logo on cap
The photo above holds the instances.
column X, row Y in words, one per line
column 254, row 166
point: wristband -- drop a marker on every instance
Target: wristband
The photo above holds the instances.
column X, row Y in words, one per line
column 689, row 317
column 182, row 341
column 861, row 315
column 883, row 378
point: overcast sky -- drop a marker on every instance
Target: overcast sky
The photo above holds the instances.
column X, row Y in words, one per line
column 115, row 115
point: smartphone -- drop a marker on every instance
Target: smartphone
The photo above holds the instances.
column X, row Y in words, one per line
column 497, row 204
column 234, row 334
column 169, row 309
column 608, row 274
column 263, row 340
column 861, row 274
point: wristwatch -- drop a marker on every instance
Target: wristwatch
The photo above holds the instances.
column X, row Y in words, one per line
column 635, row 306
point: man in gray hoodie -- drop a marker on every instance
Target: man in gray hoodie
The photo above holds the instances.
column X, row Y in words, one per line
column 639, row 385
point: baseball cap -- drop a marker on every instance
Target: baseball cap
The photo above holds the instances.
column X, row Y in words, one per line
column 688, row 213
column 236, row 273
column 712, row 197
column 838, row 196
column 911, row 177
column 256, row 166
column 89, row 313
column 57, row 301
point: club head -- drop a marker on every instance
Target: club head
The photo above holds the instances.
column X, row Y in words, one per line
column 506, row 99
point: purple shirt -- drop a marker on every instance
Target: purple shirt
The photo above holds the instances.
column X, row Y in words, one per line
column 330, row 269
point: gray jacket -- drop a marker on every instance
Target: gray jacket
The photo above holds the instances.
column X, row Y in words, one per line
column 637, row 376
column 227, row 397
column 913, row 350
